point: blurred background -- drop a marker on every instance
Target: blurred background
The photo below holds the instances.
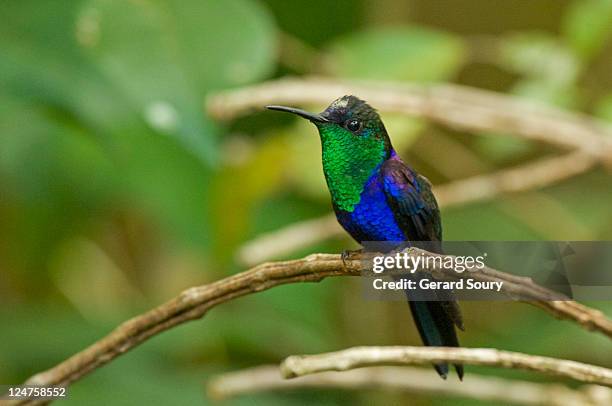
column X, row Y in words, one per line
column 117, row 191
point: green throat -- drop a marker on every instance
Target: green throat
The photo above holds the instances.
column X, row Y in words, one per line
column 349, row 160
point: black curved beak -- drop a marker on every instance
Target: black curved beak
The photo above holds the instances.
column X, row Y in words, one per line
column 315, row 118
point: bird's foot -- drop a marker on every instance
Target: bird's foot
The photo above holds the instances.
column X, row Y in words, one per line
column 350, row 254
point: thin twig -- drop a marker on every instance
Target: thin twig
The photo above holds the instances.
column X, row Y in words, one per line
column 476, row 188
column 460, row 107
column 465, row 109
column 455, row 106
column 414, row 380
column 288, row 239
column 193, row 303
column 300, row 365
column 532, row 175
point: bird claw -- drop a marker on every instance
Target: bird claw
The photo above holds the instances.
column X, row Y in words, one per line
column 348, row 254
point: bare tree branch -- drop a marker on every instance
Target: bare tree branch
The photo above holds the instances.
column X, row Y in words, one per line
column 532, row 175
column 300, row 365
column 413, row 380
column 193, row 303
column 524, row 289
column 288, row 239
column 455, row 106
column 477, row 188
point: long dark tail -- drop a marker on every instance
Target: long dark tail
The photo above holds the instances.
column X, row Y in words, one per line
column 435, row 313
column 436, row 324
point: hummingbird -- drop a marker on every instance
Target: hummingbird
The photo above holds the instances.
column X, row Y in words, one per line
column 378, row 197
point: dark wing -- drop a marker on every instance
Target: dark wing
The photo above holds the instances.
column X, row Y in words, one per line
column 411, row 200
column 416, row 212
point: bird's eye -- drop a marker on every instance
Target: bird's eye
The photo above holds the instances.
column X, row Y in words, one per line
column 353, row 125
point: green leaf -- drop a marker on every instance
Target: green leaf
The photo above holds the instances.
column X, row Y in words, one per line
column 401, row 53
column 42, row 154
column 587, row 26
column 165, row 56
column 55, row 174
column 41, row 61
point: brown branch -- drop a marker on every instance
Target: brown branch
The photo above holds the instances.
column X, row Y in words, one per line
column 476, row 188
column 288, row 239
column 533, row 175
column 414, row 380
column 455, row 106
column 193, row 303
column 524, row 289
column 300, row 365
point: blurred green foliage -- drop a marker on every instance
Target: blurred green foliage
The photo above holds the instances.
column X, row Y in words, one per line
column 117, row 191
column 407, row 53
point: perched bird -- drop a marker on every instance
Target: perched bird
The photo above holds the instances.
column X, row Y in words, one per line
column 377, row 197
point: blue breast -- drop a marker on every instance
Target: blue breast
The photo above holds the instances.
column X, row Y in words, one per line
column 372, row 219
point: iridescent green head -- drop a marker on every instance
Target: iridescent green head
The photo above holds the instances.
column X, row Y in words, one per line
column 354, row 145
